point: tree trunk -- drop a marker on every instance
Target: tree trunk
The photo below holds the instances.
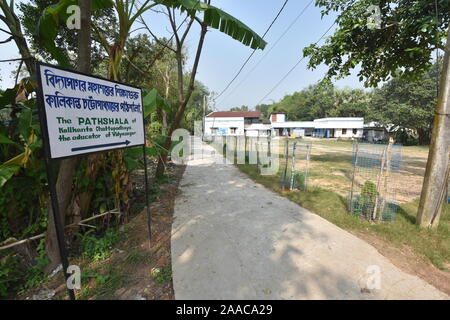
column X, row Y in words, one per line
column 182, row 107
column 68, row 166
column 424, row 136
column 431, row 199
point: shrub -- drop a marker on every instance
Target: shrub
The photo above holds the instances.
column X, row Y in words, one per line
column 98, row 248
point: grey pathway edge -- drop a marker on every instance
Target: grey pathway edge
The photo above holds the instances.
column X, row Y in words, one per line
column 234, row 239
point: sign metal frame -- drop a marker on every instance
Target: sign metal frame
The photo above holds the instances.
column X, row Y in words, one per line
column 50, row 163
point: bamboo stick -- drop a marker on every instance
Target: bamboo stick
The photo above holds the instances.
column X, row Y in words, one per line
column 39, row 236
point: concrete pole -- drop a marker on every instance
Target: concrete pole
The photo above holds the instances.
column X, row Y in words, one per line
column 430, row 206
column 203, row 119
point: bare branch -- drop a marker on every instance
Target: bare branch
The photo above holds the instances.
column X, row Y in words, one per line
column 18, row 72
column 197, row 58
column 174, row 26
column 187, row 31
column 7, row 40
column 15, row 59
column 6, row 31
column 137, row 29
column 165, row 45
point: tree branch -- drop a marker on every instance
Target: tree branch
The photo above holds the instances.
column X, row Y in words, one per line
column 6, row 31
column 7, row 40
column 174, row 26
column 165, row 45
column 16, row 59
column 183, row 37
column 18, row 72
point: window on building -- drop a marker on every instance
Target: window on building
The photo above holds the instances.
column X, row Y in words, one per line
column 214, row 130
column 355, row 131
column 344, row 131
column 233, row 130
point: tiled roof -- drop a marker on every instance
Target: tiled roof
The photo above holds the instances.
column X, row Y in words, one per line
column 235, row 114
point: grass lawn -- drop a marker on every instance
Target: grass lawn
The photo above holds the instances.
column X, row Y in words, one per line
column 330, row 167
column 432, row 245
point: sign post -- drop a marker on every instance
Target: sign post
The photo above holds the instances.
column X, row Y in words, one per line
column 81, row 114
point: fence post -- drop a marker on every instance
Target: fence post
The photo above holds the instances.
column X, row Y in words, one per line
column 257, row 152
column 385, row 183
column 308, row 154
column 355, row 164
column 286, row 158
column 375, row 214
column 293, row 165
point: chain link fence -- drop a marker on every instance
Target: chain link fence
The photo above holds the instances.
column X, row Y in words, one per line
column 374, row 180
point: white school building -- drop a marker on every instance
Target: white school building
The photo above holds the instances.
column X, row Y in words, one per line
column 248, row 123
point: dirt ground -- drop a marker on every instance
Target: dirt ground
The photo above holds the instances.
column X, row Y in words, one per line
column 135, row 270
column 138, row 282
column 407, row 261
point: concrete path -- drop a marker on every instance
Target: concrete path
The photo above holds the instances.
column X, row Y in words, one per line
column 234, row 239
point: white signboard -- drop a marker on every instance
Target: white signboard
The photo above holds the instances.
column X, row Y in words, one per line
column 86, row 114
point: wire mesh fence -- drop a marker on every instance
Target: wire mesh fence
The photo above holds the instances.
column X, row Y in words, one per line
column 374, row 181
column 373, row 192
column 295, row 165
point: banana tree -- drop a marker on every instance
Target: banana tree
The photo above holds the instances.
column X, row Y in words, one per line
column 206, row 16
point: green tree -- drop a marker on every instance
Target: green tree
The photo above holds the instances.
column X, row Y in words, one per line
column 324, row 100
column 241, row 108
column 30, row 14
column 408, row 105
column 402, row 46
column 264, row 108
column 351, row 103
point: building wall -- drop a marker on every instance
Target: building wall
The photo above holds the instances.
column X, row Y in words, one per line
column 277, row 117
column 340, row 133
column 257, row 133
column 224, row 126
column 299, row 132
column 326, row 128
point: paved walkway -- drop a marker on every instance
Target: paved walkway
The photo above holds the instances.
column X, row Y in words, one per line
column 234, row 239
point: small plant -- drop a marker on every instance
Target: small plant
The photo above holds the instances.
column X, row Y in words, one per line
column 9, row 273
column 98, row 248
column 135, row 257
column 103, row 285
column 161, row 275
column 35, row 275
column 368, row 199
column 299, row 181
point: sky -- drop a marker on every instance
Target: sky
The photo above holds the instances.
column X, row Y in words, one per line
column 223, row 56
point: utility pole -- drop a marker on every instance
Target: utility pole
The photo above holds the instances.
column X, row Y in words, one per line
column 203, row 119
column 434, row 182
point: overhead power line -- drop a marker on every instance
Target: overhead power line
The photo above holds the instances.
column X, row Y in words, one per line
column 294, row 67
column 271, row 48
column 253, row 52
